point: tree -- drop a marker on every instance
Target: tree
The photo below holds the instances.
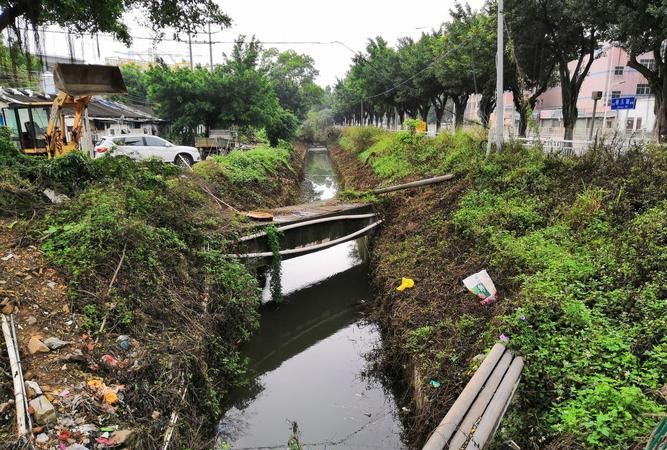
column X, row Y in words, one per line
column 293, row 75
column 530, row 67
column 573, row 31
column 17, row 67
column 235, row 93
column 641, row 27
column 135, row 79
column 93, row 16
column 466, row 64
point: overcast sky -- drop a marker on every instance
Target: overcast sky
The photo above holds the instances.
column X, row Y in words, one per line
column 351, row 22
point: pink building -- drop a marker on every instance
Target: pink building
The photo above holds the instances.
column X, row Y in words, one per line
column 610, row 75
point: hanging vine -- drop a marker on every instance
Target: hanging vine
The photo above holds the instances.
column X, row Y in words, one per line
column 273, row 237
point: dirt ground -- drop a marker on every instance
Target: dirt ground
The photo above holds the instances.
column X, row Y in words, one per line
column 69, row 377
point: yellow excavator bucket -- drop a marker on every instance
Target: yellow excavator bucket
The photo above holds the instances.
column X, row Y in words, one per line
column 88, row 79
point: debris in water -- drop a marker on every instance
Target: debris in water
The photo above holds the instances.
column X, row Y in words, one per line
column 406, row 283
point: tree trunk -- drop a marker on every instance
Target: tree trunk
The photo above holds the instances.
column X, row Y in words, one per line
column 486, row 105
column 401, row 117
column 460, row 101
column 570, row 112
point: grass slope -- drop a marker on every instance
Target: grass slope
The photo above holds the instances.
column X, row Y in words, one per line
column 578, row 250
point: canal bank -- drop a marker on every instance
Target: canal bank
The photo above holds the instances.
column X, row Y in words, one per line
column 571, row 245
column 309, row 357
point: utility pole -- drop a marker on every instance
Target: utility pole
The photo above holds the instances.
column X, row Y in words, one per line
column 210, row 47
column 190, row 47
column 597, row 95
column 500, row 106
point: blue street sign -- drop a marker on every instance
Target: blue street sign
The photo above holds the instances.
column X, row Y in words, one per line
column 623, row 103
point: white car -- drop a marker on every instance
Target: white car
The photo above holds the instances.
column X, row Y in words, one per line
column 144, row 146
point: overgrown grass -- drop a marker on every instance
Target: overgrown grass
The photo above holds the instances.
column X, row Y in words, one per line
column 254, row 165
column 579, row 250
column 251, row 176
column 395, row 155
column 175, row 292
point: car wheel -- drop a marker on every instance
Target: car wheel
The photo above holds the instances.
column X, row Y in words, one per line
column 183, row 160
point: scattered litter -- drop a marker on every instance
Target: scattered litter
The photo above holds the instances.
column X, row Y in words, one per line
column 406, row 283
column 43, row 411
column 435, row 383
column 110, row 397
column 123, row 341
column 95, row 383
column 64, row 435
column 31, row 320
column 404, row 409
column 51, row 284
column 107, row 429
column 482, row 286
column 54, row 196
column 54, row 343
column 8, row 257
column 103, row 441
column 85, row 428
column 109, row 361
column 41, row 438
column 64, row 393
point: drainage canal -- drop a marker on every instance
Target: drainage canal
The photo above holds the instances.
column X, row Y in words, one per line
column 309, row 354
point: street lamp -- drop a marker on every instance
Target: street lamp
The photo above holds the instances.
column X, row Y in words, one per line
column 597, row 95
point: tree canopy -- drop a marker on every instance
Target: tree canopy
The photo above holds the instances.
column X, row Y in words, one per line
column 93, row 16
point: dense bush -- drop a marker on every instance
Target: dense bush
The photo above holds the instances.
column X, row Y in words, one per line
column 581, row 247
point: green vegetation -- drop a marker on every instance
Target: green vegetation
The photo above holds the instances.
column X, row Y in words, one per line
column 262, row 176
column 165, row 235
column 438, row 72
column 577, row 249
column 273, row 237
column 255, row 165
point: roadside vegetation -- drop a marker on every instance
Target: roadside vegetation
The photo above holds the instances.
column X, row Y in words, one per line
column 434, row 76
column 576, row 247
column 141, row 246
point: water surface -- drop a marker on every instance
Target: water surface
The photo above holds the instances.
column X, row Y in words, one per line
column 309, row 354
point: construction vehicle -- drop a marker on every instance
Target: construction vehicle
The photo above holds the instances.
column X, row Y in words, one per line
column 76, row 84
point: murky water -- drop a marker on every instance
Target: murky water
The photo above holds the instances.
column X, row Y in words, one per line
column 309, row 354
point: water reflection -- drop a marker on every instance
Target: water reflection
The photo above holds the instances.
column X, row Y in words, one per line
column 308, row 355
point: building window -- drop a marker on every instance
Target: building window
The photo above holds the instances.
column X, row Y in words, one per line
column 554, row 123
column 638, row 124
column 629, row 124
column 643, row 89
column 649, row 63
column 614, row 94
column 610, row 121
column 618, row 70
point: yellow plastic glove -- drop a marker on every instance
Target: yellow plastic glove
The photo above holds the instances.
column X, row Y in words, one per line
column 406, row 283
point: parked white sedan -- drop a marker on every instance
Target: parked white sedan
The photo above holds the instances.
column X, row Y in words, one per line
column 144, row 146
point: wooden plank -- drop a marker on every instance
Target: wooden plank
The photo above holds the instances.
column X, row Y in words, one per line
column 481, row 402
column 496, row 409
column 443, row 432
